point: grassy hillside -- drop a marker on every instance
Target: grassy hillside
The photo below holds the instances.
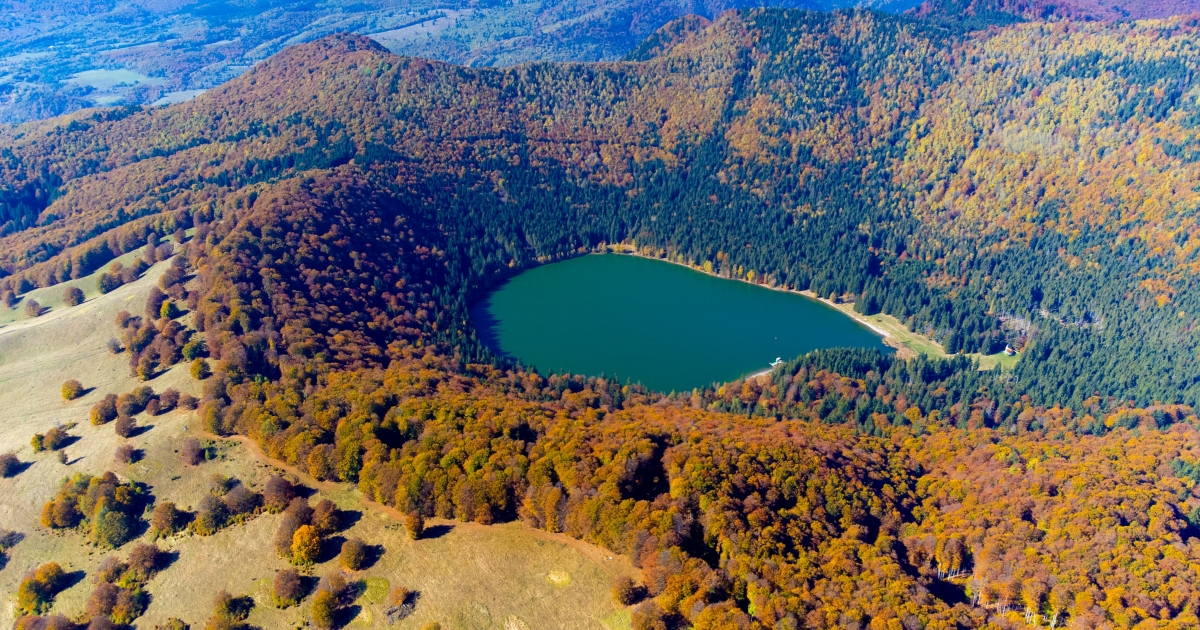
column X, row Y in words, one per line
column 468, row 576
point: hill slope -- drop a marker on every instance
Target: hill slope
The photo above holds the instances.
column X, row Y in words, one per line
column 349, row 204
column 1059, row 9
column 913, row 168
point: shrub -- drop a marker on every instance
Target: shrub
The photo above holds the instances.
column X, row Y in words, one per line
column 231, row 609
column 432, row 625
column 306, row 545
column 400, row 596
column 119, row 597
column 36, row 592
column 109, row 507
column 173, row 623
column 415, row 524
column 277, row 494
column 240, row 500
column 210, row 516
column 324, row 609
column 168, row 400
column 114, row 346
column 288, row 588
column 153, row 408
column 131, row 603
column 51, row 440
column 188, row 401
column 73, row 296
column 154, row 303
column 297, row 514
column 626, row 592
column 200, row 369
column 320, row 462
column 72, row 389
column 126, row 454
column 144, row 561
column 124, row 426
column 102, row 600
column 32, row 308
column 9, row 465
column 194, row 349
column 9, row 298
column 191, row 453
column 52, row 622
column 167, row 520
column 325, row 517
column 105, row 410
column 353, row 555
column 649, row 616
column 123, row 319
column 171, row 277
column 111, row 528
column 110, row 570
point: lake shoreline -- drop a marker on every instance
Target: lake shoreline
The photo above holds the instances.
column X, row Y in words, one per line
column 889, row 339
column 575, row 315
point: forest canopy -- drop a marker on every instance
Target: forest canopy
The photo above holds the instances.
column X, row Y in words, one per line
column 1027, row 185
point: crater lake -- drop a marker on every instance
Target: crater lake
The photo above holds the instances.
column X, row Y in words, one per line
column 664, row 325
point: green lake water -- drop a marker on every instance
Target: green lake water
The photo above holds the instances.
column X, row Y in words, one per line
column 648, row 321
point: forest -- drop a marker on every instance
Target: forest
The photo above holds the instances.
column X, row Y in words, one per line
column 338, row 209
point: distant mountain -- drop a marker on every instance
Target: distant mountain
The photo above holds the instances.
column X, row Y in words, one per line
column 57, row 57
column 1068, row 9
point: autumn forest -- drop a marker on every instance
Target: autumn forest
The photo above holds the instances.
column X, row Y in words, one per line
column 335, row 212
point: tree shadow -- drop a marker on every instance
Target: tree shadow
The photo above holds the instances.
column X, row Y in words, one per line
column 347, row 519
column 345, row 615
column 330, row 548
column 71, row 578
column 374, row 553
column 165, row 559
column 67, row 441
column 436, row 531
column 402, row 609
column 135, row 456
column 948, row 592
column 302, row 491
column 8, row 540
column 84, row 392
column 17, row 469
column 140, row 429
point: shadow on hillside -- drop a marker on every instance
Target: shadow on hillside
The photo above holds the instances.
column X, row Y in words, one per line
column 72, row 578
column 17, row 469
column 330, row 548
column 347, row 518
column 140, row 429
column 436, row 531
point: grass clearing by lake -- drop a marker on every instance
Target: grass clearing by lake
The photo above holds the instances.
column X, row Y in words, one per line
column 920, row 344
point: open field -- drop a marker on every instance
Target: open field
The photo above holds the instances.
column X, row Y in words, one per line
column 51, row 298
column 469, row 576
column 915, row 343
column 105, row 80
